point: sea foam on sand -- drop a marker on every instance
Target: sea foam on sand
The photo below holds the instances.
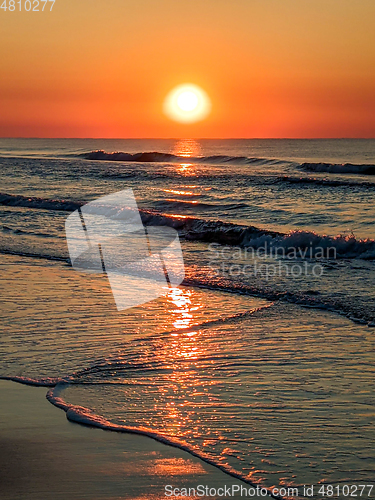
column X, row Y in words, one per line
column 44, row 456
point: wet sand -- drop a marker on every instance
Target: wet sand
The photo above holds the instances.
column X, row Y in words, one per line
column 43, row 456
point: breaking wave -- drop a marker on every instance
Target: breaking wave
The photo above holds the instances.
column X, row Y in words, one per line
column 308, row 243
column 11, row 200
column 337, row 168
column 157, row 157
column 224, row 233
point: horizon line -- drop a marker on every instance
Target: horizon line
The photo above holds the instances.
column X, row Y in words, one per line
column 193, row 138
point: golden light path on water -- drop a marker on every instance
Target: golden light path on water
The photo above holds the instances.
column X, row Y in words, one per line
column 273, row 394
column 183, row 346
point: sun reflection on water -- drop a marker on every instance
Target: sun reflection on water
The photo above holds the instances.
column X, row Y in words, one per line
column 187, row 148
column 178, row 356
column 186, row 169
column 179, row 192
column 183, row 312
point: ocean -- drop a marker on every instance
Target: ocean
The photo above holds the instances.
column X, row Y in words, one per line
column 262, row 361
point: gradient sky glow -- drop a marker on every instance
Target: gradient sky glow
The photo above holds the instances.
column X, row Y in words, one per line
column 272, row 68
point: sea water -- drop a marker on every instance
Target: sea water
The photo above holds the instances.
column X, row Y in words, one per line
column 260, row 362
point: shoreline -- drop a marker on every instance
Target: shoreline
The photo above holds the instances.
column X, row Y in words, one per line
column 44, row 455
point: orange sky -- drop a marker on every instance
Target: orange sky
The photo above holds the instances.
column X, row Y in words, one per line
column 273, row 68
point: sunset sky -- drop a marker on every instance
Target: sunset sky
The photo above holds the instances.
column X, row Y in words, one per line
column 272, row 68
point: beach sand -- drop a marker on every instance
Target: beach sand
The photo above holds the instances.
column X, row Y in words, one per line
column 44, row 456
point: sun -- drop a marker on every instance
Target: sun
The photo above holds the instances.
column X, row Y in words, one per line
column 187, row 103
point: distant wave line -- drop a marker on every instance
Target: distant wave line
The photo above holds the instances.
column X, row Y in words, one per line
column 158, row 157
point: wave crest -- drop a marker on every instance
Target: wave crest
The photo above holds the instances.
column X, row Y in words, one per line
column 339, row 168
column 224, row 233
column 158, row 157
